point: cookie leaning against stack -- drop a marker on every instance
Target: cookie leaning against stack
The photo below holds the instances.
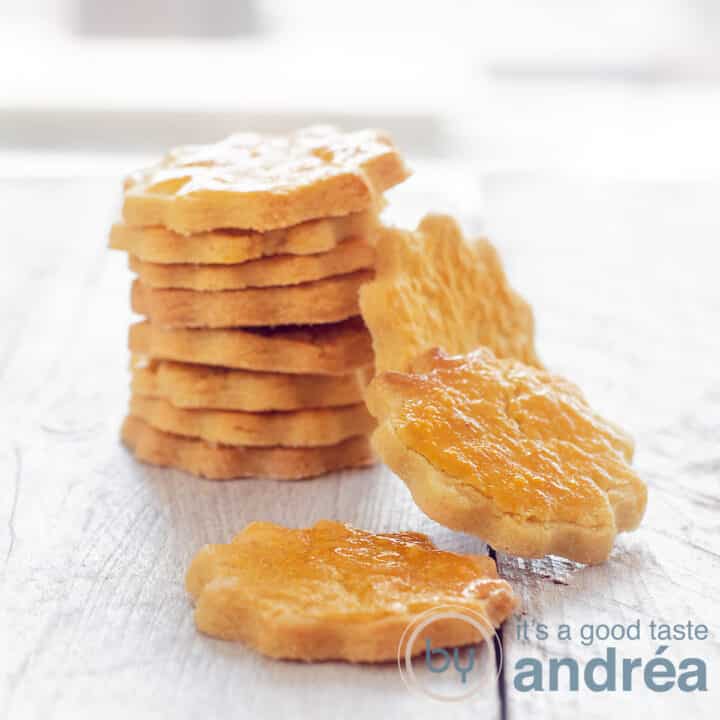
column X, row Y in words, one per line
column 252, row 358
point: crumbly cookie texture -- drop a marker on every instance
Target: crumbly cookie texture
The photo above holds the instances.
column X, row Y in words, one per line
column 264, row 182
column 323, row 301
column 226, row 246
column 508, row 452
column 434, row 288
column 335, row 349
column 332, row 592
column 299, row 428
column 227, row 462
column 276, row 270
column 202, row 386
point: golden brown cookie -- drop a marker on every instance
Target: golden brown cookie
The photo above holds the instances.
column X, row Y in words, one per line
column 335, row 349
column 322, row 301
column 228, row 246
column 434, row 288
column 298, row 428
column 351, row 255
column 263, row 182
column 225, row 462
column 331, row 592
column 508, row 452
column 201, row 386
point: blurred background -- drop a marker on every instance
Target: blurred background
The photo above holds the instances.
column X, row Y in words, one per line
column 623, row 89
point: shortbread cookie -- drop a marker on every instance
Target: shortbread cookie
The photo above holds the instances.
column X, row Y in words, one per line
column 434, row 288
column 508, row 452
column 200, row 386
column 263, row 182
column 224, row 247
column 332, row 592
column 323, row 301
column 225, row 462
column 351, row 255
column 299, row 428
column 319, row 350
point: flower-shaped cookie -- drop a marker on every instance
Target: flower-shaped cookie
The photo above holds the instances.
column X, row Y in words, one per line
column 508, row 452
column 334, row 592
column 264, row 182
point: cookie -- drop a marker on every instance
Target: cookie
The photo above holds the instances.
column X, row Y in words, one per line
column 508, row 452
column 264, row 182
column 298, row 428
column 331, row 592
column 434, row 288
column 278, row 270
column 225, row 462
column 323, row 301
column 201, row 386
column 229, row 247
column 335, row 349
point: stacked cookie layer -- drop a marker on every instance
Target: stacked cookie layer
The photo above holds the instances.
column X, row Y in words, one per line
column 249, row 255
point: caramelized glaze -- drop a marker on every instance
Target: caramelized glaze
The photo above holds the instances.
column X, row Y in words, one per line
column 251, row 162
column 521, row 436
column 264, row 182
column 332, row 571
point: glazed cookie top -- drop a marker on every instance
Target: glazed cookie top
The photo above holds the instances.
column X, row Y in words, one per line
column 264, row 182
column 335, row 572
column 519, row 437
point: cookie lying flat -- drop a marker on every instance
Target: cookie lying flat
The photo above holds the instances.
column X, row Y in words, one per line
column 263, row 182
column 351, row 255
column 201, row 386
column 223, row 247
column 332, row 592
column 323, row 301
column 225, row 462
column 299, row 428
column 320, row 350
column 507, row 452
column 435, row 289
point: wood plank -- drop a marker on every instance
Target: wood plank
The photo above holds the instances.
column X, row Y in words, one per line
column 96, row 545
column 624, row 282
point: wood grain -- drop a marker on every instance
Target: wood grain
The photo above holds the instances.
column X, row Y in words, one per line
column 624, row 279
column 95, row 545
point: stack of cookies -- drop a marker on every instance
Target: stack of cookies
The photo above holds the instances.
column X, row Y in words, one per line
column 252, row 357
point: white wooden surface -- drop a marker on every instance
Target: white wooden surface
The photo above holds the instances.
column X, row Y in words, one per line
column 95, row 619
column 625, row 281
